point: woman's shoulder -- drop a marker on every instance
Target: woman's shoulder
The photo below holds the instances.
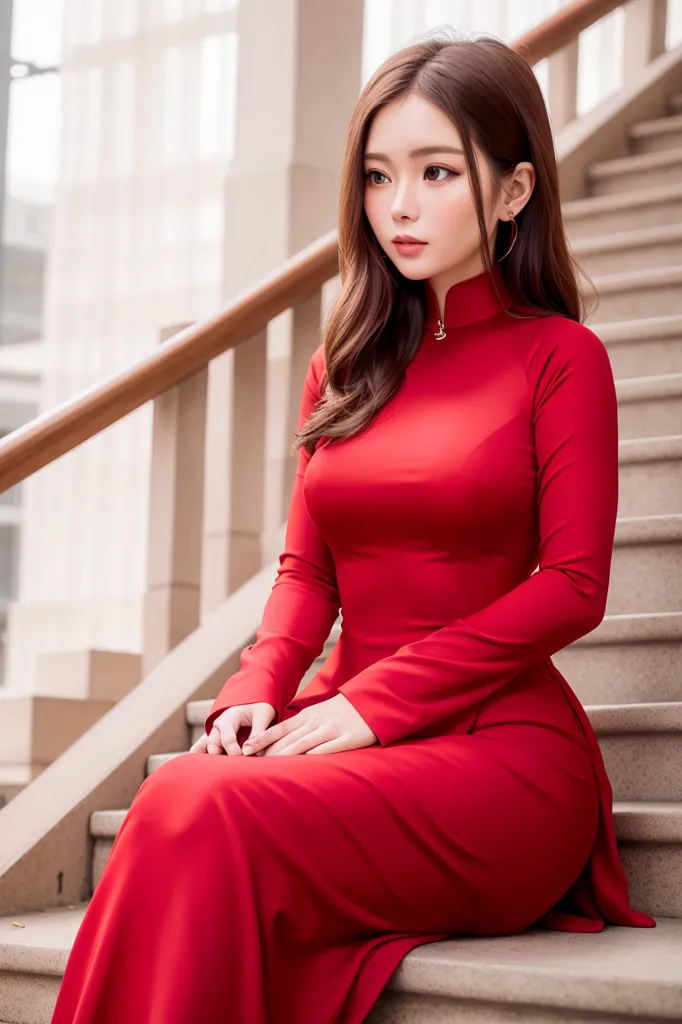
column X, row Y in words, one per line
column 556, row 351
column 559, row 337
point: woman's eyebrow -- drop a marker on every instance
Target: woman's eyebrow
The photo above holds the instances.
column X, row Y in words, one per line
column 424, row 151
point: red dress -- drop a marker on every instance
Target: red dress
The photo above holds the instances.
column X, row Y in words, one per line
column 286, row 890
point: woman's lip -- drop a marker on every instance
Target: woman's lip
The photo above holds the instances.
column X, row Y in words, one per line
column 408, row 241
column 410, row 248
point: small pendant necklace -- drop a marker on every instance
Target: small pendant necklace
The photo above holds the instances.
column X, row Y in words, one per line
column 440, row 334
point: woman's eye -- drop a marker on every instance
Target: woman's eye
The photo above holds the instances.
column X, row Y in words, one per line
column 435, row 167
column 370, row 173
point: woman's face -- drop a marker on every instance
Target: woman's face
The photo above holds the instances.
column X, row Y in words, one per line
column 428, row 195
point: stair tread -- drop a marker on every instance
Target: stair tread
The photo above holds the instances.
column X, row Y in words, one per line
column 653, row 386
column 43, row 943
column 627, row 279
column 632, row 238
column 643, row 717
column 646, row 327
column 649, row 449
column 631, row 627
column 629, row 970
column 652, row 126
column 621, row 970
column 620, row 200
column 634, row 162
column 657, row 529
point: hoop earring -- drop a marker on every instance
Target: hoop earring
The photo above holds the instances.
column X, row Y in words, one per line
column 516, row 235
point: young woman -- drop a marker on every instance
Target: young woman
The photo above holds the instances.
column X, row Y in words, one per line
column 456, row 495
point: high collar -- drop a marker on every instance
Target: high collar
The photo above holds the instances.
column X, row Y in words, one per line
column 467, row 301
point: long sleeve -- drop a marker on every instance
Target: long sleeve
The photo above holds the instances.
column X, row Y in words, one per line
column 303, row 603
column 575, row 420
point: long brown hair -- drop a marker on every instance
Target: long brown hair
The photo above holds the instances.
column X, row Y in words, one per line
column 375, row 326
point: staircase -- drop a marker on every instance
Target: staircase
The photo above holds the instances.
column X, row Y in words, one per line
column 627, row 234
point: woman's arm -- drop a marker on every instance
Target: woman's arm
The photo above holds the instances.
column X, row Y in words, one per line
column 450, row 670
column 303, row 603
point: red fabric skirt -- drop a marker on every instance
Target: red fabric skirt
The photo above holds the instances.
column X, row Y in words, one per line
column 287, row 889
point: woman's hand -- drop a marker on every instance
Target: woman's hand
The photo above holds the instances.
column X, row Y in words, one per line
column 225, row 727
column 324, row 728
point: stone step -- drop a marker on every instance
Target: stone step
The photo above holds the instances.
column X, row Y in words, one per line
column 642, row 746
column 627, row 173
column 33, row 959
column 627, row 659
column 650, row 476
column 646, row 568
column 638, row 293
column 620, row 974
column 650, row 846
column 653, row 136
column 651, row 833
column 642, row 347
column 632, row 249
column 622, row 211
column 649, row 406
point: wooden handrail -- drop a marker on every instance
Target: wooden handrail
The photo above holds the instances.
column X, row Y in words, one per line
column 561, row 28
column 53, row 434
column 56, row 432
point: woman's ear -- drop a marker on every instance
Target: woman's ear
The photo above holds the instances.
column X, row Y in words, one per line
column 517, row 189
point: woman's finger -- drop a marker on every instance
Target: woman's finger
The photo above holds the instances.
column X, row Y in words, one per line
column 297, row 742
column 274, row 738
column 262, row 717
column 214, row 743
column 200, row 746
column 224, row 736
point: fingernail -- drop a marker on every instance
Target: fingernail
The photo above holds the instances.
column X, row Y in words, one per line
column 247, row 750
